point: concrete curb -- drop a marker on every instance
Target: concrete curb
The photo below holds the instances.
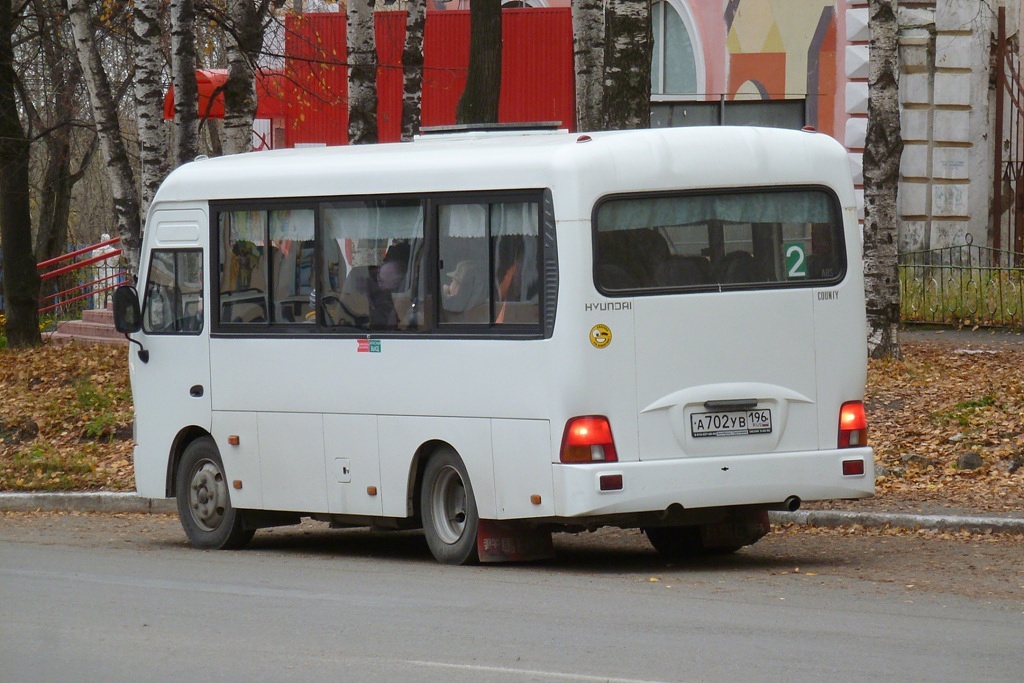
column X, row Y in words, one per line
column 113, row 502
column 101, row 501
column 837, row 518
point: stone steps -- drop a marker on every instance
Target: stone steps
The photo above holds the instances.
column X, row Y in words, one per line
column 95, row 327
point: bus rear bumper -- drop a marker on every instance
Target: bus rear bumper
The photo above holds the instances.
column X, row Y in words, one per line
column 594, row 490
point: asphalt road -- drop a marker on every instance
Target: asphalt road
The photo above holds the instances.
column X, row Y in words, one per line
column 123, row 598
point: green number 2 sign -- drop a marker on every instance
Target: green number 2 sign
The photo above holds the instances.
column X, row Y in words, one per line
column 796, row 260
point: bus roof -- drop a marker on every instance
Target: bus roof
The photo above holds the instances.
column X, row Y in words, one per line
column 594, row 163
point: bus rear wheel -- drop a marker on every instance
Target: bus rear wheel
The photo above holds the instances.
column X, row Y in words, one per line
column 450, row 518
column 204, row 506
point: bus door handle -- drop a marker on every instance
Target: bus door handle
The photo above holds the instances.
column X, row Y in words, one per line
column 196, row 391
column 734, row 404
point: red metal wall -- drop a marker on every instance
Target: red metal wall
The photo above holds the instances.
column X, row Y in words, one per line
column 537, row 72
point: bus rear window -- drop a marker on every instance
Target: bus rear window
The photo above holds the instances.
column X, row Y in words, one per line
column 722, row 240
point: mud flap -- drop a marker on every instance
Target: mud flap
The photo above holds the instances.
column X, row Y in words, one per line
column 510, row 542
column 735, row 531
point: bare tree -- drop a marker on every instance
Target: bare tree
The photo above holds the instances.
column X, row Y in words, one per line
column 183, row 75
column 108, row 128
column 150, row 81
column 588, row 48
column 362, row 73
column 882, row 150
column 412, row 68
column 20, row 279
column 51, row 101
column 627, row 64
column 479, row 101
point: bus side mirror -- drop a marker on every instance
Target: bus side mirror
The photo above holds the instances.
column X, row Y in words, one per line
column 127, row 314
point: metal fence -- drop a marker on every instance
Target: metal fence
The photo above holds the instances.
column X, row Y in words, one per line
column 964, row 284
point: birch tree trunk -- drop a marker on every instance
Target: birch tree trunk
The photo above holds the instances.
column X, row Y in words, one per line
column 21, row 280
column 108, row 128
column 882, row 150
column 245, row 41
column 183, row 76
column 412, row 68
column 362, row 73
column 154, row 145
column 588, row 50
column 479, row 101
column 627, row 64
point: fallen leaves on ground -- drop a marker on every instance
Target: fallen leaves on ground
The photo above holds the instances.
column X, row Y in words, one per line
column 928, row 412
column 65, row 419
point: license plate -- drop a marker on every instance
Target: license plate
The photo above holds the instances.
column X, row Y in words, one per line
column 731, row 423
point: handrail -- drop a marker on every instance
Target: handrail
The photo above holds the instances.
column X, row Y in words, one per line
column 104, row 281
column 77, row 252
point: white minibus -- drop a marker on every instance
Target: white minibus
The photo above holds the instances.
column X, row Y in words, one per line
column 493, row 336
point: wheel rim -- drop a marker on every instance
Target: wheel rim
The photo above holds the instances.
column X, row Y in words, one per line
column 207, row 496
column 449, row 505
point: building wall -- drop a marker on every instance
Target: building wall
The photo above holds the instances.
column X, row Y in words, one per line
column 947, row 123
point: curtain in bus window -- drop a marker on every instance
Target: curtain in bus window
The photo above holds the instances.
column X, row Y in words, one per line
column 372, row 271
column 748, row 207
column 243, row 267
column 739, row 238
column 291, row 267
column 514, row 242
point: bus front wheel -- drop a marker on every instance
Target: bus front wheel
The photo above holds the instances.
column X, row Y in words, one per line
column 204, row 506
column 450, row 518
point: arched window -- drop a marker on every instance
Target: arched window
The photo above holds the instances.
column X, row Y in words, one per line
column 677, row 65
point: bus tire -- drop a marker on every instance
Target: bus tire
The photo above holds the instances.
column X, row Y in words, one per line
column 450, row 518
column 204, row 505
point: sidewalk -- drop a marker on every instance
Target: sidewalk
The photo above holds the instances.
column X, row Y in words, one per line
column 116, row 502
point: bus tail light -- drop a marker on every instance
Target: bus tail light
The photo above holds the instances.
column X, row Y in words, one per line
column 588, row 439
column 853, row 425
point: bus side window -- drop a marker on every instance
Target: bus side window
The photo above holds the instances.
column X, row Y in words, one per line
column 174, row 293
column 371, row 279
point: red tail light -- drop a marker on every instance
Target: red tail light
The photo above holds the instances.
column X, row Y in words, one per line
column 853, row 425
column 588, row 439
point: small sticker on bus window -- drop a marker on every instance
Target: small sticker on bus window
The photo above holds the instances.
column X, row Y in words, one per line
column 368, row 346
column 796, row 260
column 600, row 336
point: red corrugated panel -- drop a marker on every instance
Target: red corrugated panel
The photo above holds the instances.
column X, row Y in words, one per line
column 537, row 71
column 316, row 108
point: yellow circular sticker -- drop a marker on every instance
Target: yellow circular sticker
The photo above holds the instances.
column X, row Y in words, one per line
column 600, row 336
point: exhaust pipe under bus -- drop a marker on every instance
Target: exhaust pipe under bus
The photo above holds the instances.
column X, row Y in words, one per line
column 791, row 504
